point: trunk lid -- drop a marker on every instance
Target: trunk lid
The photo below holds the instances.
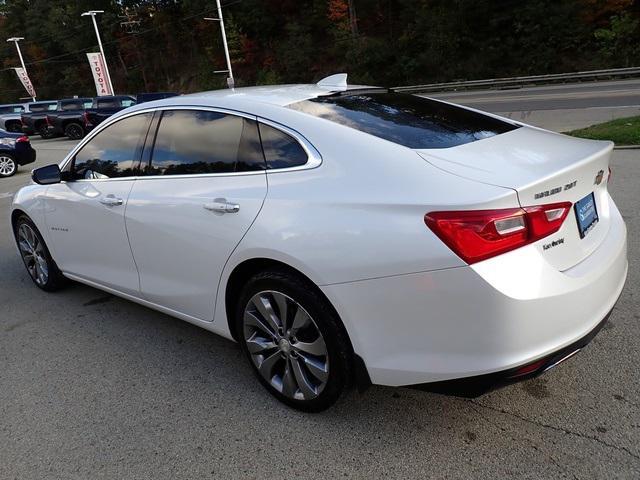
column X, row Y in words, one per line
column 543, row 167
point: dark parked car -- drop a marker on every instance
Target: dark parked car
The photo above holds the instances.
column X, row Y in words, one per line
column 15, row 149
column 34, row 118
column 68, row 118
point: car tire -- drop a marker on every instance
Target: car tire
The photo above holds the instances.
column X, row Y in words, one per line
column 14, row 127
column 74, row 131
column 305, row 361
column 8, row 165
column 36, row 256
column 44, row 132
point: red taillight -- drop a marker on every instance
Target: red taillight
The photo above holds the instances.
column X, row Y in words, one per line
column 85, row 118
column 47, row 120
column 22, row 139
column 476, row 235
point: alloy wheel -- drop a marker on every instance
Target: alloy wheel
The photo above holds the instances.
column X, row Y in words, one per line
column 33, row 254
column 74, row 132
column 285, row 345
column 7, row 166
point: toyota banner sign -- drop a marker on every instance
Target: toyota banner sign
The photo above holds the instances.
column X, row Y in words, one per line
column 100, row 75
column 26, row 82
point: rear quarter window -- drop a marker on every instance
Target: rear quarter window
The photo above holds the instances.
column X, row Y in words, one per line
column 408, row 120
column 281, row 150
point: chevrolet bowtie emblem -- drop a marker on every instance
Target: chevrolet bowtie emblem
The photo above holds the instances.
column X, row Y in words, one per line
column 599, row 176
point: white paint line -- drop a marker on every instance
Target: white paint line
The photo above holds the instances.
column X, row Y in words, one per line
column 6, row 195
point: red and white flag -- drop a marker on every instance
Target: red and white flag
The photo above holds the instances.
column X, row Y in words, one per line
column 100, row 75
column 26, row 82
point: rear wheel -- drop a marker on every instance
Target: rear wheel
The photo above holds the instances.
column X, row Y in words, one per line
column 14, row 127
column 44, row 131
column 74, row 131
column 36, row 257
column 8, row 165
column 293, row 340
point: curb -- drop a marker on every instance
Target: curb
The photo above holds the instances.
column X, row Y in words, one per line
column 627, row 147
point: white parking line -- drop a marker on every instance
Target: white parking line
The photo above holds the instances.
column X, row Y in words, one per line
column 6, row 195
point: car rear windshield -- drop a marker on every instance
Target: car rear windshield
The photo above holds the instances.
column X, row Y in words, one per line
column 408, row 120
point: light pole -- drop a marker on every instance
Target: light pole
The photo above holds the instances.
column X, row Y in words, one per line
column 16, row 40
column 230, row 80
column 92, row 14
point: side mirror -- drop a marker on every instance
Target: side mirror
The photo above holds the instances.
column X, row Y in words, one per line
column 47, row 175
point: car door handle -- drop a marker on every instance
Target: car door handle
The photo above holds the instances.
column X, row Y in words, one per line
column 220, row 205
column 111, row 201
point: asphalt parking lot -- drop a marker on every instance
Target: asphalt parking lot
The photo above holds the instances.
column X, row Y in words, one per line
column 92, row 386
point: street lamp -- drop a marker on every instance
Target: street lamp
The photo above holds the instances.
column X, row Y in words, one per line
column 92, row 14
column 230, row 80
column 16, row 40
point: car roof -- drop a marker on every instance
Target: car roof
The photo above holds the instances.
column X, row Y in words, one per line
column 276, row 95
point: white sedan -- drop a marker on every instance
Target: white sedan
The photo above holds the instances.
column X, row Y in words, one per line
column 343, row 235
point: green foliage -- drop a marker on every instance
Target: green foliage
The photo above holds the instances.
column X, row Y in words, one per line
column 623, row 131
column 621, row 39
column 159, row 45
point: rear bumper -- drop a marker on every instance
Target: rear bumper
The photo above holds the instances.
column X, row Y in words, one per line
column 55, row 130
column 471, row 387
column 24, row 154
column 493, row 317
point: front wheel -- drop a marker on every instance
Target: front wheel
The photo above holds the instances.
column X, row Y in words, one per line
column 294, row 340
column 8, row 165
column 36, row 257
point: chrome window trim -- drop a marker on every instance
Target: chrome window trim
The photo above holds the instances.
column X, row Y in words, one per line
column 314, row 159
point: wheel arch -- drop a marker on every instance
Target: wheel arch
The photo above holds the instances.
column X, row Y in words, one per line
column 15, row 214
column 242, row 272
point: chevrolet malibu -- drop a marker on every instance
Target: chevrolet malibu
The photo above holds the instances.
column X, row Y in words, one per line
column 342, row 235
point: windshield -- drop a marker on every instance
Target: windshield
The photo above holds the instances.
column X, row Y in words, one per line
column 409, row 120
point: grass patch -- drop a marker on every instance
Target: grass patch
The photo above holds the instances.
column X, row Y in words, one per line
column 623, row 131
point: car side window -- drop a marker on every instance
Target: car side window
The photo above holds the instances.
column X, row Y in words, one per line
column 192, row 142
column 115, row 151
column 281, row 150
column 127, row 102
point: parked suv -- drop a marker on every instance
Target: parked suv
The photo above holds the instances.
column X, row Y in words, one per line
column 34, row 118
column 68, row 118
column 10, row 117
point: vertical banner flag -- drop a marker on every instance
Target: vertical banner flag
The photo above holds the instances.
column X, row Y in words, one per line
column 26, row 82
column 99, row 74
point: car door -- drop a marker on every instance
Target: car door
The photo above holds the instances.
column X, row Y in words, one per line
column 85, row 214
column 204, row 185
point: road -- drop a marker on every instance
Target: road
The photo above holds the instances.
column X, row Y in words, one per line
column 556, row 107
column 621, row 93
column 92, row 386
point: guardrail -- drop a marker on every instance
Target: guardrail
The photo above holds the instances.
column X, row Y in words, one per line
column 518, row 82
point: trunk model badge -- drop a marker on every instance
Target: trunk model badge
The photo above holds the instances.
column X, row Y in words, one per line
column 553, row 191
column 599, row 177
